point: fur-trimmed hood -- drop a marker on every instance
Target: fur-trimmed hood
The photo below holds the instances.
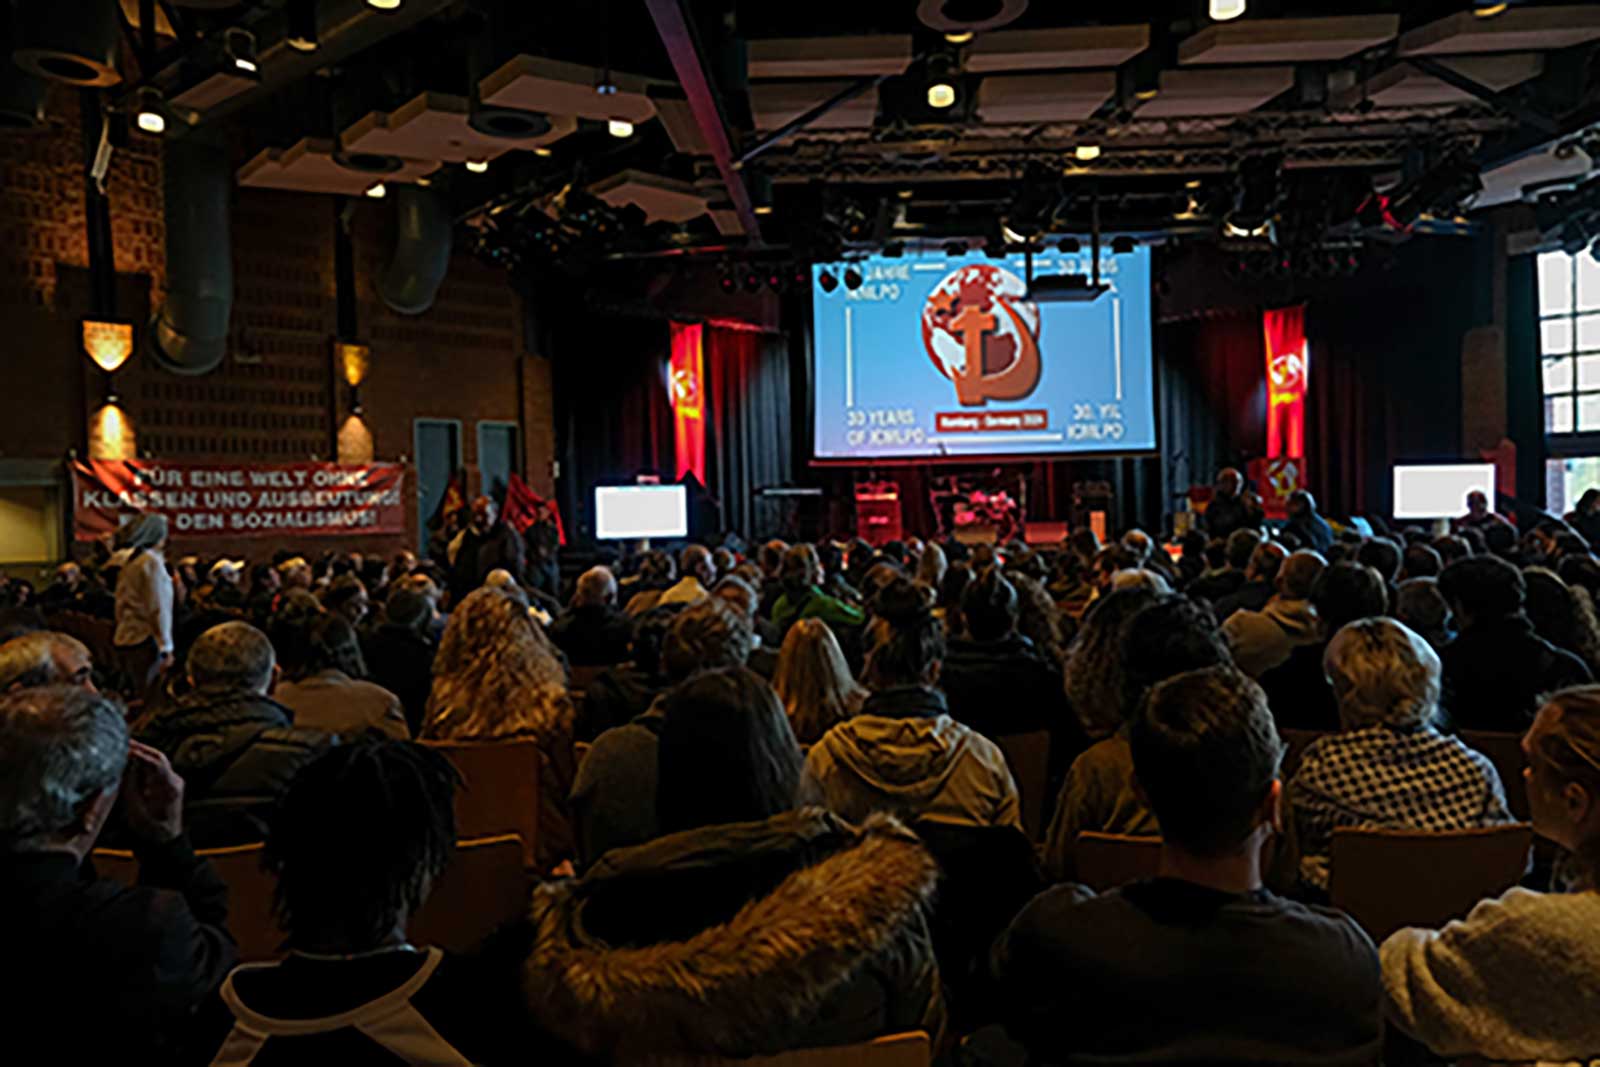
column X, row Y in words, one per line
column 640, row 959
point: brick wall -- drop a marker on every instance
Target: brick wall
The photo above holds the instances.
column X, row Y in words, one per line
column 275, row 398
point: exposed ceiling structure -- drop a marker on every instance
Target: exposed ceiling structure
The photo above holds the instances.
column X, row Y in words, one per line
column 612, row 130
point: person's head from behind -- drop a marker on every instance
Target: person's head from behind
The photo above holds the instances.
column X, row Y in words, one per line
column 1206, row 755
column 1482, row 589
column 894, row 551
column 45, row 657
column 932, row 567
column 696, row 563
column 740, row 595
column 1477, row 504
column 905, row 641
column 1229, row 482
column 1297, row 578
column 657, row 570
column 295, row 573
column 62, row 753
column 1550, row 606
column 1421, row 561
column 1500, row 539
column 1241, row 545
column 325, row 642
column 264, row 579
column 597, row 588
column 801, row 569
column 1382, row 673
column 496, row 673
column 1581, row 572
column 1139, row 545
column 727, row 753
column 1424, row 609
column 649, row 633
column 1382, row 555
column 723, row 561
column 1451, row 548
column 408, row 609
column 1085, row 542
column 358, row 840
column 1563, row 774
column 1173, row 635
column 990, row 607
column 1216, row 554
column 1346, row 592
column 69, row 575
column 232, row 657
column 813, row 680
column 1302, row 504
column 771, row 557
column 1265, row 562
column 347, row 596
column 707, row 636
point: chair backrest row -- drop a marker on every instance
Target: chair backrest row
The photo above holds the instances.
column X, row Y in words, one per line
column 483, row 887
column 1384, row 879
column 500, row 790
column 1505, row 752
column 893, row 1050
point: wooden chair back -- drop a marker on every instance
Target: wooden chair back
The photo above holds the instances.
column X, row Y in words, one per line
column 1295, row 744
column 250, row 887
column 894, row 1050
column 1389, row 879
column 1106, row 861
column 499, row 791
column 1505, row 752
column 1029, row 758
column 483, row 887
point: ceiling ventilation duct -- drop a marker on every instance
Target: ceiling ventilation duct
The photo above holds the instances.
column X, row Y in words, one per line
column 189, row 334
column 21, row 98
column 421, row 257
column 75, row 43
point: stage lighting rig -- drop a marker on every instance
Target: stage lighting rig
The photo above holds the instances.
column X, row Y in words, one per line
column 1258, row 193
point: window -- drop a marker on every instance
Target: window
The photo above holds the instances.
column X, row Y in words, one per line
column 1567, row 479
column 498, row 457
column 1569, row 342
column 438, row 457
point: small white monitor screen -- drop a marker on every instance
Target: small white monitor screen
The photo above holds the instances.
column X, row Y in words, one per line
column 624, row 512
column 1440, row 491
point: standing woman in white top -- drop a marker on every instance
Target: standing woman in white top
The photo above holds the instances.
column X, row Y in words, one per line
column 144, row 604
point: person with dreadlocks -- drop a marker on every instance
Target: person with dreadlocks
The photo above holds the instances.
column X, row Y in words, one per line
column 357, row 843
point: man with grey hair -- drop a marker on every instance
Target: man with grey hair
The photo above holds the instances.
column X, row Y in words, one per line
column 765, row 640
column 108, row 971
column 698, row 574
column 1388, row 766
column 234, row 745
column 592, row 632
column 45, row 658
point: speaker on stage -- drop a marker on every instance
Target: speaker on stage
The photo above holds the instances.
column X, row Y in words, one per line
column 878, row 512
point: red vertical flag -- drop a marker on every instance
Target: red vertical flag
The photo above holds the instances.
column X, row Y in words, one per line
column 687, row 384
column 1288, row 377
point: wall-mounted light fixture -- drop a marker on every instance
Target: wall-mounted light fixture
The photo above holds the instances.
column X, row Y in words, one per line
column 108, row 343
column 353, row 361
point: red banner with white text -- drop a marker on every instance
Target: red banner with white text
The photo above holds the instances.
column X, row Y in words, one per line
column 1288, row 378
column 240, row 499
column 689, row 399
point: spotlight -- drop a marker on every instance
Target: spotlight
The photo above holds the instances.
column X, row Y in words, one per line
column 1256, row 197
column 543, row 152
column 377, row 190
column 1069, row 246
column 775, row 278
column 763, row 209
column 941, row 94
column 752, row 280
column 385, row 5
column 1487, row 10
column 942, row 68
column 150, row 101
column 1012, row 236
column 1087, row 152
column 798, row 275
column 239, row 46
column 605, row 86
column 620, row 128
column 1123, row 246
column 301, row 33
column 478, row 166
column 828, row 282
column 1223, row 10
column 727, row 283
column 852, row 279
column 961, row 37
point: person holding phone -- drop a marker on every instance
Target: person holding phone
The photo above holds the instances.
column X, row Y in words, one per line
column 102, row 971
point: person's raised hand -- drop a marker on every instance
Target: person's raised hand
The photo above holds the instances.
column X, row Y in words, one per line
column 153, row 794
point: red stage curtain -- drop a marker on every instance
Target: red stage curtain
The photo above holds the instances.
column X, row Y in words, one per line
column 748, row 426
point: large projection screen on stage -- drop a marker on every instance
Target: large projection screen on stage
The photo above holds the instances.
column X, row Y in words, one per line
column 937, row 357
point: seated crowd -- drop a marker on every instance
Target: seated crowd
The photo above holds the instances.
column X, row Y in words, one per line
column 778, row 803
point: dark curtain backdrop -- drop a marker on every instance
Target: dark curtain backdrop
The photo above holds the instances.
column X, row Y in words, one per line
column 613, row 411
column 749, row 436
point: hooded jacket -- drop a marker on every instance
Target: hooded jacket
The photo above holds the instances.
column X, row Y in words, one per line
column 1262, row 640
column 904, row 754
column 236, row 752
column 744, row 939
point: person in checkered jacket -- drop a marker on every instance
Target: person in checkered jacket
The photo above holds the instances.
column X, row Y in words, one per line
column 1388, row 766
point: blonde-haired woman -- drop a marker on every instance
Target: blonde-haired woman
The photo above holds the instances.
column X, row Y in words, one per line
column 497, row 678
column 1514, row 981
column 1387, row 767
column 814, row 682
